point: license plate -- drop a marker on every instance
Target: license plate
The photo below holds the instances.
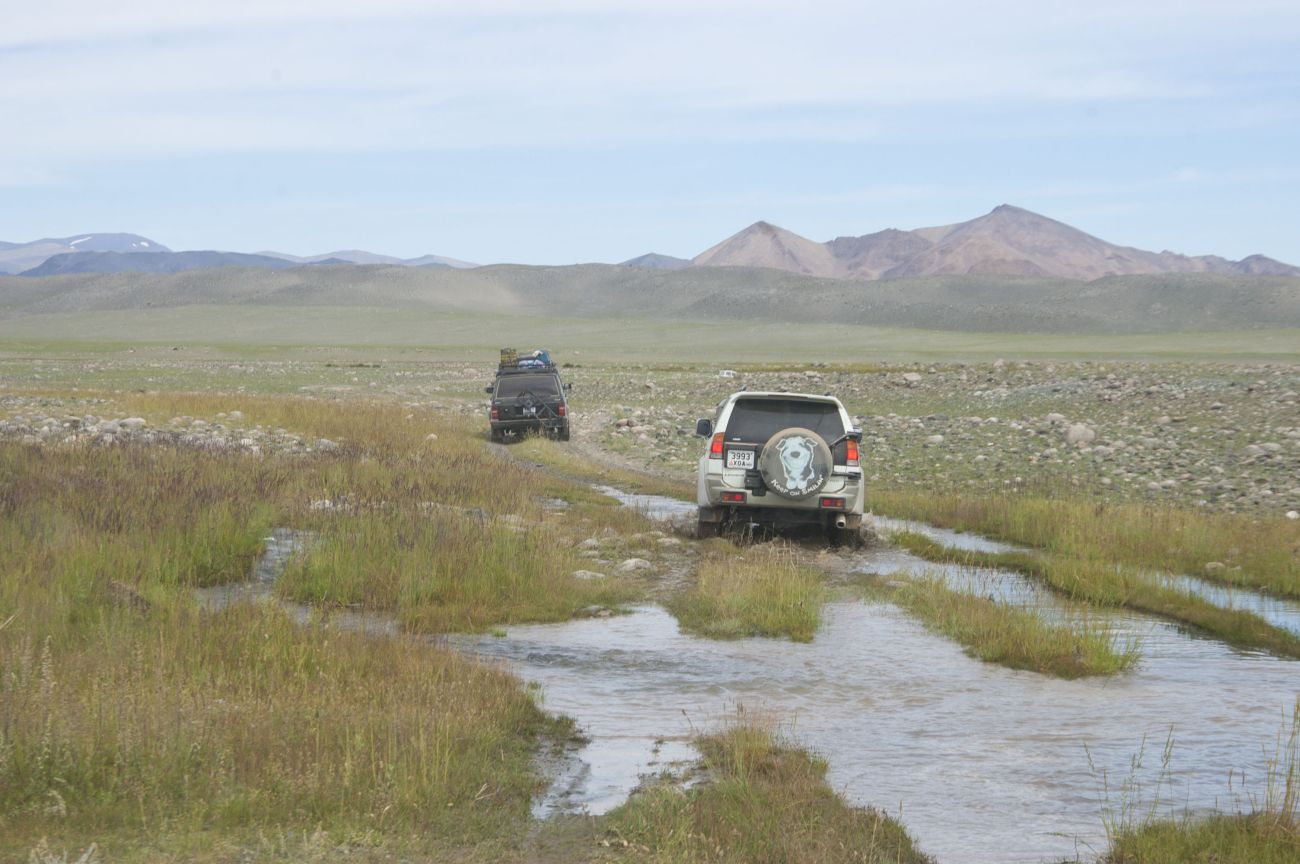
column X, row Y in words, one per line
column 740, row 458
column 532, row 410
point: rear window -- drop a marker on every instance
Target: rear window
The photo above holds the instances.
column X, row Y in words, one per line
column 538, row 385
column 756, row 420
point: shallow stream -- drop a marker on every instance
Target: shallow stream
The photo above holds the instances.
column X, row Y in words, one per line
column 981, row 763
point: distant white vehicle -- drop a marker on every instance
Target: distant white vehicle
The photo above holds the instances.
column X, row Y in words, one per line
column 781, row 459
column 727, row 373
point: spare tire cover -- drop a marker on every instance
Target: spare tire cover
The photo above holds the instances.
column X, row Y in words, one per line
column 795, row 463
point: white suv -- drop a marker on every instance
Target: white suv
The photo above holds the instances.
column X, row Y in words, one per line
column 781, row 459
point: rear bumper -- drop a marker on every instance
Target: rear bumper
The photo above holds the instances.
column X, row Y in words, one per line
column 530, row 424
column 771, row 507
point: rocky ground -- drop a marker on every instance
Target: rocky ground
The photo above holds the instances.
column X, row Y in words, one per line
column 1214, row 436
column 1225, row 438
column 69, row 422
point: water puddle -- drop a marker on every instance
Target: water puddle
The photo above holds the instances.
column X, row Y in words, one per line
column 280, row 546
column 884, row 526
column 1000, row 586
column 657, row 507
column 1281, row 612
column 985, row 764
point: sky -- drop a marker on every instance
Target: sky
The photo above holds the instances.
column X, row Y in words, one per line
column 598, row 130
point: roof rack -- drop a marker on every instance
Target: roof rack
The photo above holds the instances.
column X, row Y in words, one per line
column 537, row 361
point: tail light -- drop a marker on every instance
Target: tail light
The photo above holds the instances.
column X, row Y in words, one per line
column 562, row 411
column 715, row 448
column 733, row 497
column 832, row 503
column 851, row 453
column 496, row 413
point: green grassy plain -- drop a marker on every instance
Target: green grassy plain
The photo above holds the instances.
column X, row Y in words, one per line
column 447, row 335
column 131, row 719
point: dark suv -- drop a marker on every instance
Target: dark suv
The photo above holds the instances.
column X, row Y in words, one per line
column 528, row 396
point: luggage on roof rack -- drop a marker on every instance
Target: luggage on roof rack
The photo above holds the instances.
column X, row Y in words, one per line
column 533, row 361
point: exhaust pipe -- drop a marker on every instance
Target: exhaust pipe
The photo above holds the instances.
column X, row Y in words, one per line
column 840, row 521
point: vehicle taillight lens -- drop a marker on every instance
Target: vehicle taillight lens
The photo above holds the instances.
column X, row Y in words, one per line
column 562, row 411
column 832, row 503
column 715, row 449
column 852, row 453
column 496, row 414
column 733, row 497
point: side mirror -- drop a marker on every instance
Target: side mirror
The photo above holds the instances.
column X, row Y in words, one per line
column 704, row 427
column 568, row 385
column 488, row 389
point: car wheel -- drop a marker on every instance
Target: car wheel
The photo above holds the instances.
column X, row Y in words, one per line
column 497, row 436
column 795, row 463
column 563, row 433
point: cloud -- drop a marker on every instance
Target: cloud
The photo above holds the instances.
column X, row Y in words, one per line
column 89, row 80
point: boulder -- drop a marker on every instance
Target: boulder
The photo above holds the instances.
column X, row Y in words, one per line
column 1079, row 434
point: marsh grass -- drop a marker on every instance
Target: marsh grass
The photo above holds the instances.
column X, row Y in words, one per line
column 764, row 592
column 1269, row 833
column 450, row 572
column 1257, row 551
column 1105, row 584
column 764, row 802
column 1016, row 638
column 126, row 713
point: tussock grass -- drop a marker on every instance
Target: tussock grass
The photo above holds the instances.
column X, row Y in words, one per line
column 245, row 718
column 1016, row 638
column 1257, row 551
column 765, row 592
column 765, row 802
column 1106, row 584
column 125, row 713
column 448, row 572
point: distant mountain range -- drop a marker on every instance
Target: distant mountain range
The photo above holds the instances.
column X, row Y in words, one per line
column 131, row 253
column 19, row 257
column 1008, row 241
column 1172, row 302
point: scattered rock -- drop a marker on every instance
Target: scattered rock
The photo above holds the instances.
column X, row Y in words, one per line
column 633, row 565
column 1079, row 434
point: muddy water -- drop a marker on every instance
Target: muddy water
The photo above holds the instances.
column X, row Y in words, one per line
column 957, row 540
column 656, row 507
column 984, row 764
column 1281, row 612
